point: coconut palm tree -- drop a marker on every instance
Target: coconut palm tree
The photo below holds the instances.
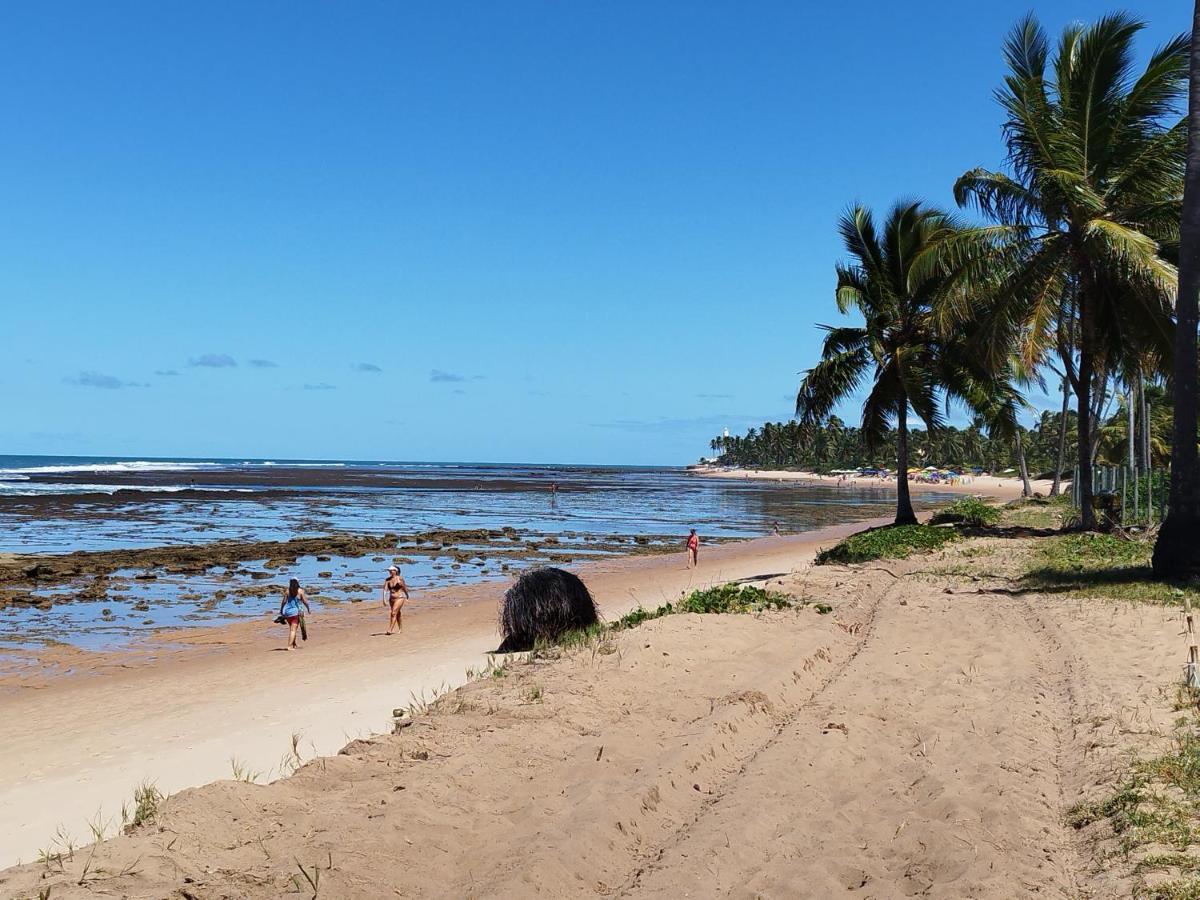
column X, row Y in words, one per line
column 1175, row 552
column 1086, row 216
column 897, row 345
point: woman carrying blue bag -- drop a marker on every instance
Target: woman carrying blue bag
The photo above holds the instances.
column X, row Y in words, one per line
column 289, row 611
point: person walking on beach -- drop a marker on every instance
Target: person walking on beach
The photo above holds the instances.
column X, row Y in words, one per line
column 693, row 549
column 289, row 610
column 395, row 594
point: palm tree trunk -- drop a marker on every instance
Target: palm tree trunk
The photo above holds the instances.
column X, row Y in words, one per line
column 1099, row 402
column 1026, row 488
column 1083, row 408
column 904, row 509
column 1056, row 488
column 1176, row 553
column 1147, row 461
column 1132, row 428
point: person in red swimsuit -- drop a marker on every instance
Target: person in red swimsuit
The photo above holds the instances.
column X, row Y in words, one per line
column 693, row 549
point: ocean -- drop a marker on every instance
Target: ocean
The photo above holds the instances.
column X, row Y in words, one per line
column 54, row 505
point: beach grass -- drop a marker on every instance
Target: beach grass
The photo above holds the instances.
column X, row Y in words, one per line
column 1037, row 512
column 1089, row 564
column 147, row 799
column 1154, row 813
column 892, row 542
column 726, row 599
column 967, row 511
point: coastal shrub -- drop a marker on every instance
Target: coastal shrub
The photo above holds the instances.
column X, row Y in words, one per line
column 967, row 511
column 543, row 605
column 895, row 541
column 725, row 599
column 732, row 598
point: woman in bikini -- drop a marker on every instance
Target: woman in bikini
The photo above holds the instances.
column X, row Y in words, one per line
column 289, row 609
column 395, row 593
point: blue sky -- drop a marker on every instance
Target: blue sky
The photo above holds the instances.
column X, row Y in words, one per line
column 572, row 232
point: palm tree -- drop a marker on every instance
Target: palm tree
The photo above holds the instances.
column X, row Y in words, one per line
column 1085, row 214
column 1175, row 551
column 897, row 343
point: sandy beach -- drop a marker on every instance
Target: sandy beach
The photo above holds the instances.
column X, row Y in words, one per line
column 894, row 747
column 181, row 708
column 1001, row 488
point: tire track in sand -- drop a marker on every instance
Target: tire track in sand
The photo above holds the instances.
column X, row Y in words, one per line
column 945, row 782
column 650, row 858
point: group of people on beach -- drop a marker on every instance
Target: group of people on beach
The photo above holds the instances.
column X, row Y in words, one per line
column 395, row 595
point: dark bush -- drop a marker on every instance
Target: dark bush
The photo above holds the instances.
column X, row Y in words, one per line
column 543, row 605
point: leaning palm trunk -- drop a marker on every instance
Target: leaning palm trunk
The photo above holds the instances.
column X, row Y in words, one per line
column 904, row 507
column 1177, row 550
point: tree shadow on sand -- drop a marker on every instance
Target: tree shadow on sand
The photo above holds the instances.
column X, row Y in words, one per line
column 1009, row 532
column 1056, row 581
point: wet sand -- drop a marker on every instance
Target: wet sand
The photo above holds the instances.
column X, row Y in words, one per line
column 95, row 725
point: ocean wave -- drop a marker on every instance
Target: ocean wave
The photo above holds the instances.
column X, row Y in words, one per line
column 270, row 463
column 140, row 465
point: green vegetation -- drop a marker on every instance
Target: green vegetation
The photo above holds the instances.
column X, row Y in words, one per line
column 1101, row 565
column 242, row 773
column 967, row 511
column 1157, row 805
column 893, row 542
column 1037, row 512
column 726, row 599
column 831, row 445
column 909, row 362
column 311, row 876
column 1069, row 280
column 147, row 799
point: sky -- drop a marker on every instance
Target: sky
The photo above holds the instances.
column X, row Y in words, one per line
column 585, row 232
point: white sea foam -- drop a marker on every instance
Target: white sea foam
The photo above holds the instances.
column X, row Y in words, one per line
column 131, row 466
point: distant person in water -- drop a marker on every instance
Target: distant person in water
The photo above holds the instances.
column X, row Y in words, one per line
column 775, row 527
column 395, row 595
column 289, row 610
column 693, row 549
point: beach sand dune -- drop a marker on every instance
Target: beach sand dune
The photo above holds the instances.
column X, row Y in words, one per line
column 923, row 739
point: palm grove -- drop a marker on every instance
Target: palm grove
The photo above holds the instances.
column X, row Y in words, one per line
column 1066, row 279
